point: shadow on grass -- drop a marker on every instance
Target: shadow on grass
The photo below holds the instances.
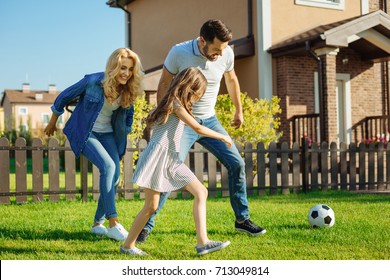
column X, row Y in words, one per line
column 47, row 235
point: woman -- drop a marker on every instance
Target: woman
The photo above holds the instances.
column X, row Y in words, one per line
column 99, row 125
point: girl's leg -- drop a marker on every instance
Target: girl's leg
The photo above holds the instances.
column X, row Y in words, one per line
column 151, row 203
column 199, row 210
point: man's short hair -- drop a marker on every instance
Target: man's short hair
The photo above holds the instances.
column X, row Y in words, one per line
column 215, row 28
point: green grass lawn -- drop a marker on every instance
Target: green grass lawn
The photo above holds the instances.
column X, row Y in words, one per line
column 60, row 230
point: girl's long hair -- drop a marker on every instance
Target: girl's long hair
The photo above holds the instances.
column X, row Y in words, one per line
column 132, row 88
column 186, row 88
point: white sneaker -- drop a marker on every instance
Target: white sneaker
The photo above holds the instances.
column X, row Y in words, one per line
column 117, row 232
column 133, row 251
column 99, row 230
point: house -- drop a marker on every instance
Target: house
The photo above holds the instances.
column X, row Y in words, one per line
column 29, row 110
column 327, row 60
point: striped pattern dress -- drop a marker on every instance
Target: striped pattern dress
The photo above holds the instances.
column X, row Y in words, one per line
column 159, row 167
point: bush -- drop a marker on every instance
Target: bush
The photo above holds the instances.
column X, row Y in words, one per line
column 260, row 119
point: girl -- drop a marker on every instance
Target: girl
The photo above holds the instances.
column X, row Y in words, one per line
column 99, row 125
column 159, row 168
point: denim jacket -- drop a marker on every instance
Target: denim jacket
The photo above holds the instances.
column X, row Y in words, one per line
column 89, row 92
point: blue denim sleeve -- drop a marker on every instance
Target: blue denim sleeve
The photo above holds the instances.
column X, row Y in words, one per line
column 130, row 119
column 68, row 95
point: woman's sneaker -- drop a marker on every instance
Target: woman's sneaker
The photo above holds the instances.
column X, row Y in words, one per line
column 117, row 232
column 211, row 246
column 133, row 251
column 99, row 230
column 249, row 227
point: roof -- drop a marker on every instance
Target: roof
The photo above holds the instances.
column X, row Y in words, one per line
column 368, row 34
column 17, row 96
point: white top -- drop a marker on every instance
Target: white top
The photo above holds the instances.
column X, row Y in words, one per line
column 103, row 121
column 186, row 54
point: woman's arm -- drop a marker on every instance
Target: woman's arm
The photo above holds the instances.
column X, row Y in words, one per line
column 52, row 125
column 200, row 129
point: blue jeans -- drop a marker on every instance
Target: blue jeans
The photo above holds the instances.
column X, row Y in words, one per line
column 230, row 158
column 102, row 151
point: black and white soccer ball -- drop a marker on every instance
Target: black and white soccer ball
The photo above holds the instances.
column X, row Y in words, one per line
column 321, row 215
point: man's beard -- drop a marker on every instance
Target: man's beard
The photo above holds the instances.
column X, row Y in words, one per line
column 205, row 50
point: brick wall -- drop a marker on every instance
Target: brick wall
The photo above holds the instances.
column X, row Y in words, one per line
column 295, row 87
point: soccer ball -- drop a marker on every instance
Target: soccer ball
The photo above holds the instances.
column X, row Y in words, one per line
column 321, row 215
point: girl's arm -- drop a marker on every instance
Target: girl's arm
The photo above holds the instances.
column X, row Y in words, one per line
column 198, row 128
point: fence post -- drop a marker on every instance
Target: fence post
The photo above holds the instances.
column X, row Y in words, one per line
column 248, row 157
column 261, row 168
column 4, row 171
column 305, row 164
column 128, row 172
column 37, row 169
column 296, row 167
column 70, row 171
column 362, row 166
column 84, row 177
column 285, row 151
column 21, row 169
column 273, row 168
column 380, row 167
column 54, row 169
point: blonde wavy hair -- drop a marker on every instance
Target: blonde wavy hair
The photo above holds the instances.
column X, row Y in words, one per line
column 133, row 87
column 186, row 88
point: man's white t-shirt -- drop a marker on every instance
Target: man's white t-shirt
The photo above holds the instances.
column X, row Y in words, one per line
column 186, row 54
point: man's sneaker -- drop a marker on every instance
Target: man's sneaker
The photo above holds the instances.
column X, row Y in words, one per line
column 133, row 251
column 99, row 230
column 249, row 227
column 117, row 232
column 211, row 246
column 142, row 236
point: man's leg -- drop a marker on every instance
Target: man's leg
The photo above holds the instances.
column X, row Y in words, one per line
column 232, row 160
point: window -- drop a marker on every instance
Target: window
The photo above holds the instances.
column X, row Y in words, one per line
column 23, row 111
column 329, row 4
column 45, row 118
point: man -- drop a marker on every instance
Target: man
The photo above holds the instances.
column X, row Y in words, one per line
column 215, row 58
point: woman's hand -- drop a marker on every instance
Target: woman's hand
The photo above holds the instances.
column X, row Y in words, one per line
column 51, row 126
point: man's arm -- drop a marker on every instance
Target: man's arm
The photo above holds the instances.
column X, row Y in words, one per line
column 234, row 91
column 165, row 81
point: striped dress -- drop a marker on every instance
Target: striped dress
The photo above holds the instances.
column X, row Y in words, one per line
column 159, row 167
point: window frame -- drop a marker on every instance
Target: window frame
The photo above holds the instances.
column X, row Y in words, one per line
column 340, row 5
column 23, row 111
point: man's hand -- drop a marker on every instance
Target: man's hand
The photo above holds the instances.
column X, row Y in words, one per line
column 238, row 120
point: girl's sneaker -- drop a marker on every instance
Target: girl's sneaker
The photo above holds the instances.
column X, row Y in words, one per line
column 133, row 251
column 211, row 246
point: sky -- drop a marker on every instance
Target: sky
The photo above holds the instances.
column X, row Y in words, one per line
column 57, row 42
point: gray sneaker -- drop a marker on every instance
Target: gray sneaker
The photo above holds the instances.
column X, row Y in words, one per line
column 133, row 251
column 211, row 246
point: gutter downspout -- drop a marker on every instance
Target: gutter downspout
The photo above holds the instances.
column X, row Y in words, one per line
column 320, row 89
column 128, row 17
column 386, row 69
column 250, row 19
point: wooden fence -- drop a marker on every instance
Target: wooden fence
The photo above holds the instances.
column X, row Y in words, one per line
column 277, row 169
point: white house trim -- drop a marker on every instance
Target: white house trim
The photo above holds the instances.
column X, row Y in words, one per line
column 264, row 43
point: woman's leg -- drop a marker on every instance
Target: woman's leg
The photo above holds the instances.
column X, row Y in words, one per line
column 101, row 151
column 151, row 203
column 199, row 210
